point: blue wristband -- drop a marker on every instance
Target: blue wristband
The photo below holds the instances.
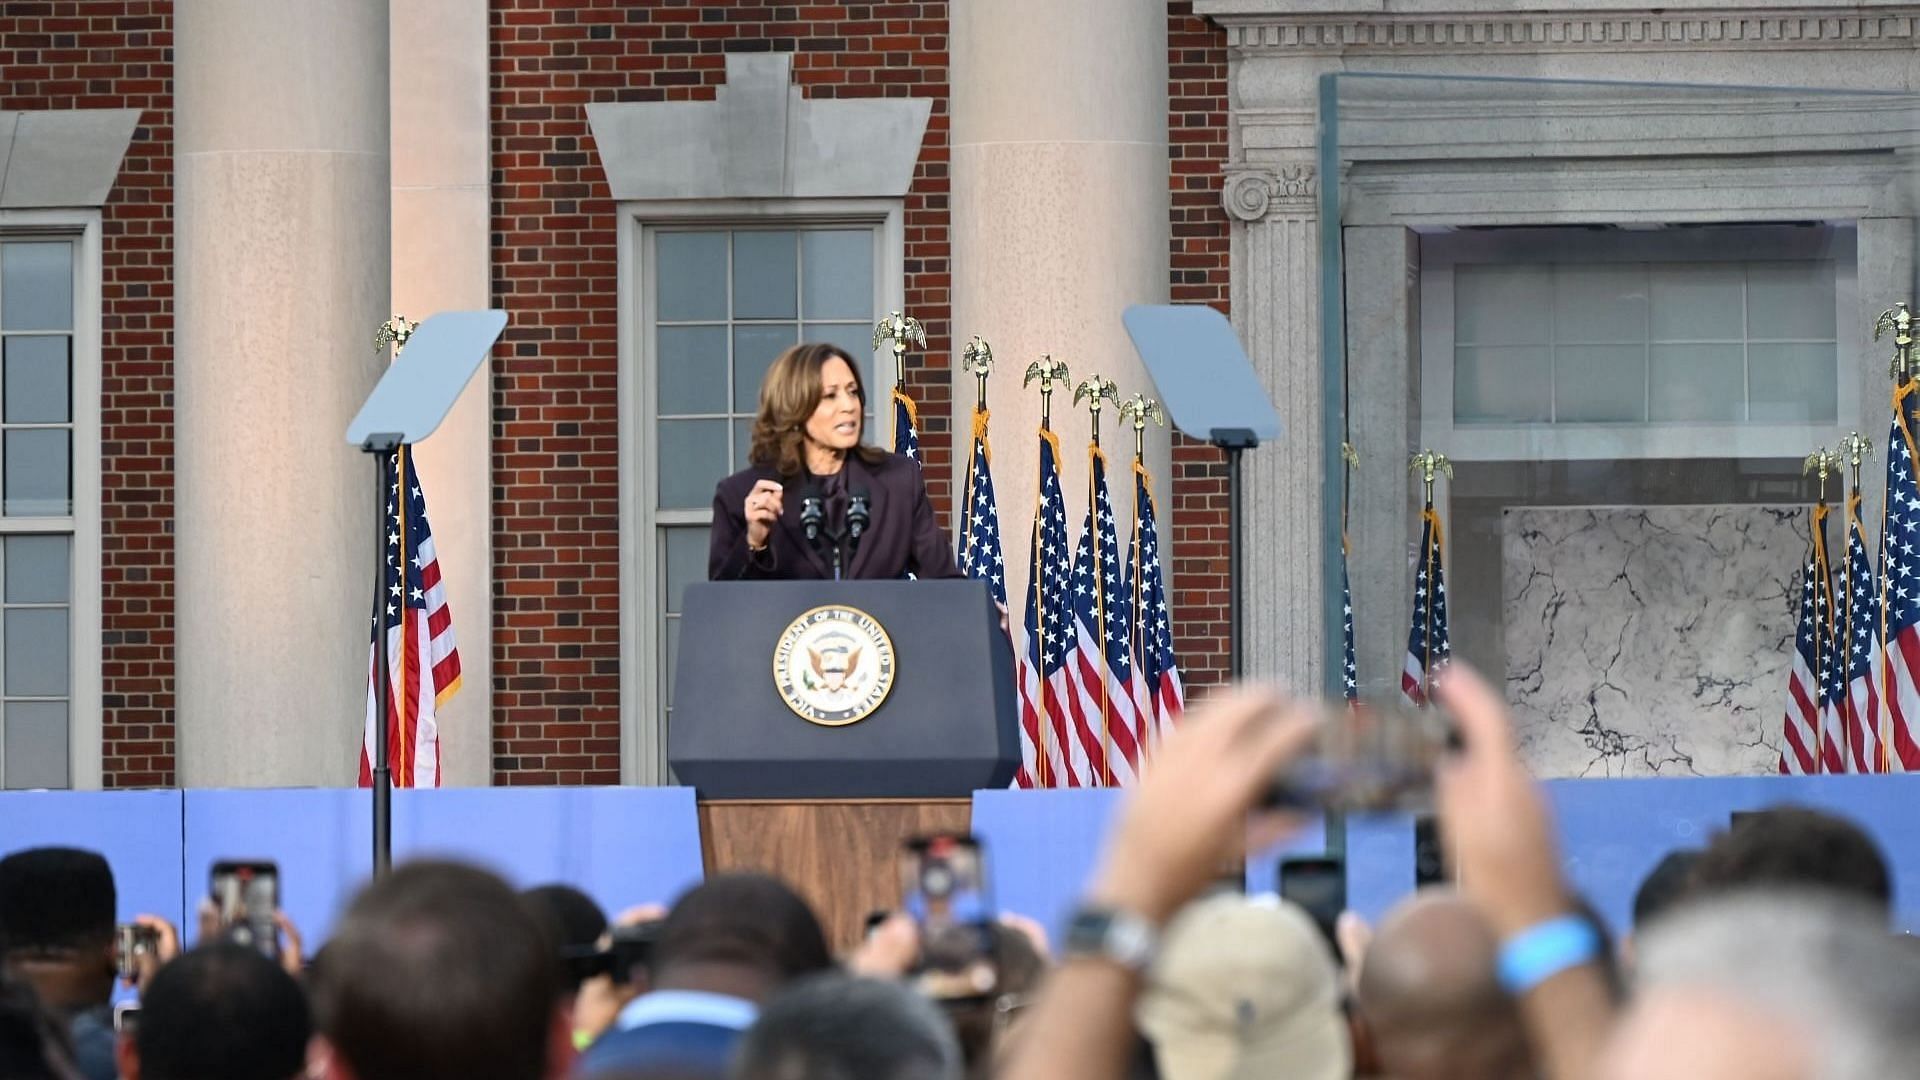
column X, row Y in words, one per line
column 1540, row 952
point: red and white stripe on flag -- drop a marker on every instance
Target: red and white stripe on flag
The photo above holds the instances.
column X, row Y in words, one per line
column 423, row 664
column 1899, row 670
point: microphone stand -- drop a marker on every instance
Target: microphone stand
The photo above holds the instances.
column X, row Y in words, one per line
column 845, row 540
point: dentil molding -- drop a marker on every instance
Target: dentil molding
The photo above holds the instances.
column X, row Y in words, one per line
column 1575, row 31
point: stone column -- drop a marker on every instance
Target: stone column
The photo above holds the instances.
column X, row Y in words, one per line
column 281, row 199
column 1060, row 220
column 1276, row 308
column 440, row 253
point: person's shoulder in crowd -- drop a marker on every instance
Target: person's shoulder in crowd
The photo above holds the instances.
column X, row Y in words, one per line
column 94, row 1042
column 686, row 1033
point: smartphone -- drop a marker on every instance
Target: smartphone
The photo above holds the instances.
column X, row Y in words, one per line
column 1319, row 885
column 1368, row 757
column 944, row 886
column 130, row 942
column 246, row 893
column 126, row 1018
column 1429, row 857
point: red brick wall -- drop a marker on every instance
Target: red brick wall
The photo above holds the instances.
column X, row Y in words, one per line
column 1197, row 145
column 556, row 542
column 118, row 54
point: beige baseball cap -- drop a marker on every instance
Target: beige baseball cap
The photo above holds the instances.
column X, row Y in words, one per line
column 1245, row 988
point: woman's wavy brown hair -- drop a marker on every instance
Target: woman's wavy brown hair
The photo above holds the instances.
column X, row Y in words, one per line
column 788, row 396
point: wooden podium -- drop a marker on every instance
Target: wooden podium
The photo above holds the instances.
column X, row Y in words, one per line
column 840, row 854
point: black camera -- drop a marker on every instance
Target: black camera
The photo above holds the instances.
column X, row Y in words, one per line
column 628, row 948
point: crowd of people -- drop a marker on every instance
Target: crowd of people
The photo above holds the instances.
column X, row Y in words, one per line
column 1770, row 952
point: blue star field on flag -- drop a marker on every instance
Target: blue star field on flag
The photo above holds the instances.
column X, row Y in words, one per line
column 980, row 554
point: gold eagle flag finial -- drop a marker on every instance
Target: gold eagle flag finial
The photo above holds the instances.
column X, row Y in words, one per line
column 1825, row 462
column 977, row 359
column 901, row 331
column 1137, row 411
column 1430, row 464
column 1095, row 390
column 1048, row 371
column 1898, row 321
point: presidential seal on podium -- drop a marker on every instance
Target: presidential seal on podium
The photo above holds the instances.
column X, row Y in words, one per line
column 833, row 665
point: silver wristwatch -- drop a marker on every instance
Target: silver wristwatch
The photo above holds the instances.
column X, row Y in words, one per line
column 1111, row 934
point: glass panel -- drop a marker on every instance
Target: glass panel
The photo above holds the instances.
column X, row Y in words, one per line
column 1599, row 383
column 671, row 630
column 686, row 550
column 37, row 570
column 36, row 744
column 690, row 269
column 36, row 652
column 1507, row 385
column 765, row 270
column 1502, row 305
column 693, row 369
column 1698, row 301
column 36, row 285
column 1698, row 382
column 38, row 387
column 693, row 458
column 856, row 339
column 742, row 443
column 36, row 464
column 754, row 348
column 1793, row 383
column 1600, row 303
column 1790, row 300
column 837, row 274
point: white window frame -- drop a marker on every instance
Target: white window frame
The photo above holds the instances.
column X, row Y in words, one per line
column 643, row 751
column 85, row 767
column 1440, row 254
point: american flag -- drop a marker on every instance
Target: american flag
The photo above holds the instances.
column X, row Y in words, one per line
column 1810, row 678
column 423, row 665
column 1861, row 608
column 1899, row 751
column 1105, row 714
column 1044, row 689
column 906, row 425
column 1349, row 670
column 1159, row 672
column 980, row 555
column 1428, row 647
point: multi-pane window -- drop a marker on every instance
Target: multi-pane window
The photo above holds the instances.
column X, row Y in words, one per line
column 1645, row 343
column 724, row 302
column 36, row 509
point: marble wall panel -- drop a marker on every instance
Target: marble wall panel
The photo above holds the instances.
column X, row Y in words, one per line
column 1650, row 641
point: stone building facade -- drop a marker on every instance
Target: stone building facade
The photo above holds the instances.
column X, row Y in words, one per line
column 243, row 190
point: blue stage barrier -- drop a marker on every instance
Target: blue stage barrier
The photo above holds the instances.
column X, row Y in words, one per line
column 138, row 831
column 622, row 846
column 1612, row 832
column 1043, row 843
column 1042, row 846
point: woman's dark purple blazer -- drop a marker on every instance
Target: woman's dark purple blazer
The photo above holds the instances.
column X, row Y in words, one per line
column 902, row 536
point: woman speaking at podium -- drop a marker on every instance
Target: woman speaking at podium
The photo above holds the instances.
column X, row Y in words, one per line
column 816, row 502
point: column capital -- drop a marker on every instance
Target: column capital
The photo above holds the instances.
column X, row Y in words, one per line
column 1287, row 189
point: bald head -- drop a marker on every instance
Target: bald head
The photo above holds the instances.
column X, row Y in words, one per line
column 1431, row 997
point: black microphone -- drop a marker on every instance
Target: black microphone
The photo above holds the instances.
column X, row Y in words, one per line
column 857, row 517
column 812, row 514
